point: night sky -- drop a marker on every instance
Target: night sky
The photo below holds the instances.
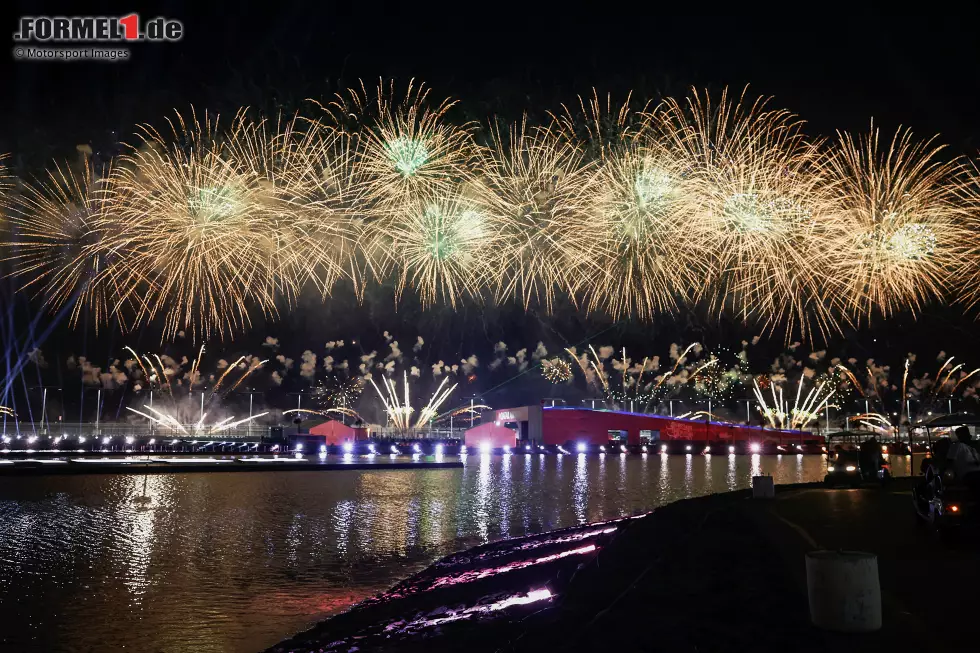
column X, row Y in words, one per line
column 837, row 71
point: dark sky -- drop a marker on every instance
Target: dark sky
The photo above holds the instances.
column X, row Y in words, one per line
column 836, row 70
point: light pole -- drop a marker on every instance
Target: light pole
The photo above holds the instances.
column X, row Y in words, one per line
column 98, row 411
column 299, row 407
column 473, row 411
column 45, row 425
column 748, row 414
column 251, row 395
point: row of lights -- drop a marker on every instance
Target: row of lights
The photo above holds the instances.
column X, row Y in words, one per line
column 486, row 447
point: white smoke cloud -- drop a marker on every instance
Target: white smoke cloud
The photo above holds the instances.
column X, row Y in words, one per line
column 419, row 343
column 272, row 343
column 416, row 372
column 539, row 352
column 36, row 356
column 396, row 353
column 500, row 347
column 276, row 377
column 307, row 366
column 520, row 360
column 469, row 364
column 222, row 363
column 91, row 375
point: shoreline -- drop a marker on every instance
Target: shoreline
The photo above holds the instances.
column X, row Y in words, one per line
column 718, row 572
column 33, row 468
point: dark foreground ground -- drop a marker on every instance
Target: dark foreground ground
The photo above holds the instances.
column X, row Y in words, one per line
column 720, row 573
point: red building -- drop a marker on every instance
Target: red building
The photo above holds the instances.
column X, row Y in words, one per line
column 569, row 427
column 334, row 432
column 490, row 434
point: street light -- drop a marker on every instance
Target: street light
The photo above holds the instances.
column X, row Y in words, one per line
column 473, row 399
column 299, row 406
column 251, row 394
column 44, row 405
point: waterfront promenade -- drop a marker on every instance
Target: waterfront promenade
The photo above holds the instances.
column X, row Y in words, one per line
column 722, row 572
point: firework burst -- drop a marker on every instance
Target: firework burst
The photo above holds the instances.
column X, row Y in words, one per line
column 754, row 179
column 720, row 202
column 649, row 241
column 556, row 370
column 598, row 124
column 405, row 147
column 436, row 248
column 198, row 247
column 900, row 235
column 60, row 226
column 311, row 197
column 534, row 191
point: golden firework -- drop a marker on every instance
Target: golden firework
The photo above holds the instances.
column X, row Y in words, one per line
column 556, row 370
column 598, row 125
column 405, row 147
column 196, row 242
column 649, row 238
column 755, row 181
column 437, row 248
column 311, row 198
column 901, row 231
column 60, row 225
column 535, row 190
column 721, row 201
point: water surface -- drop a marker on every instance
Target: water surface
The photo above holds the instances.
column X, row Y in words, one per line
column 239, row 561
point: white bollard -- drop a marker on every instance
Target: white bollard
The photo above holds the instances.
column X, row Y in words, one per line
column 763, row 487
column 843, row 590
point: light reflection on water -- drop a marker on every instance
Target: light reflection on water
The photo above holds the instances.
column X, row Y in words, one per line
column 237, row 562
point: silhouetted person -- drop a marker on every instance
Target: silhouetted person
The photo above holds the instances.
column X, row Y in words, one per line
column 963, row 458
column 870, row 456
